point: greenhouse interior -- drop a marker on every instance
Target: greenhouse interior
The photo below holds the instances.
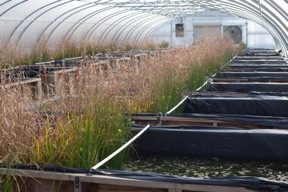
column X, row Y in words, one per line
column 144, row 95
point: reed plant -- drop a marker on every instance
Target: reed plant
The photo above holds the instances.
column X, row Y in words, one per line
column 82, row 128
column 12, row 55
column 83, row 140
column 186, row 69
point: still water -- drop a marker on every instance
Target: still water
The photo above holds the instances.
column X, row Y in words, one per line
column 208, row 168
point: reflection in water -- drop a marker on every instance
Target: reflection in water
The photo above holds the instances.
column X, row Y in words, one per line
column 205, row 168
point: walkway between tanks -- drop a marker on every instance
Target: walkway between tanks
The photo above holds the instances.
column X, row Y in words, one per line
column 242, row 113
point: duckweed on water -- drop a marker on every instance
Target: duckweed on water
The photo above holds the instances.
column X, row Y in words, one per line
column 207, row 168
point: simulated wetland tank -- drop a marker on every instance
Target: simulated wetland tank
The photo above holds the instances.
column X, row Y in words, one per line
column 238, row 115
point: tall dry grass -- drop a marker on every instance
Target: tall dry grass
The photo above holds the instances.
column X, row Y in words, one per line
column 79, row 129
column 11, row 55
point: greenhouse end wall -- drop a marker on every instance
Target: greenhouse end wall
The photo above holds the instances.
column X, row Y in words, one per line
column 252, row 34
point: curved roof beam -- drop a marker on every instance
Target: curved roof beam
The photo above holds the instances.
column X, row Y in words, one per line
column 147, row 21
column 27, row 17
column 70, row 32
column 12, row 7
column 75, row 9
column 121, row 30
column 149, row 30
column 119, row 22
column 101, row 22
column 5, row 2
column 38, row 16
column 81, row 20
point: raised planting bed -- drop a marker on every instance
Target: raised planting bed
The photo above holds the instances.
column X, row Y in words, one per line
column 31, row 86
column 137, row 59
column 248, row 86
column 255, row 69
column 118, row 63
column 260, row 105
column 209, row 141
column 260, row 52
column 252, row 74
column 258, row 62
column 51, row 178
column 256, row 65
column 60, row 82
column 258, row 58
column 212, row 120
column 37, row 70
column 249, row 79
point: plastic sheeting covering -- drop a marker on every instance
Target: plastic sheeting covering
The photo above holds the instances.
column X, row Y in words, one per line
column 258, row 58
column 253, row 65
column 258, row 62
column 260, row 69
column 247, row 182
column 257, row 105
column 220, row 142
column 260, row 52
column 252, row 79
column 126, row 21
column 246, row 87
column 252, row 74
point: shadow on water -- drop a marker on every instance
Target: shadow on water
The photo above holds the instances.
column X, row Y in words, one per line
column 209, row 168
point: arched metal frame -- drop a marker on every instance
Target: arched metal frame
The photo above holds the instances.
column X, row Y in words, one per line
column 134, row 20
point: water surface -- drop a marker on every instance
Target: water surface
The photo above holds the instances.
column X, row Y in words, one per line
column 209, row 168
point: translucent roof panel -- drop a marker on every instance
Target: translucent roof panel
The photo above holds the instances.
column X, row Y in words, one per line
column 27, row 21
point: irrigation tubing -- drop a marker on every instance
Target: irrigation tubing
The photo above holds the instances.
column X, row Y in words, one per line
column 120, row 149
column 176, row 106
column 186, row 97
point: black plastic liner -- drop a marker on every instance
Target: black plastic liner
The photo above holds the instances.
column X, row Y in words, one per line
column 252, row 74
column 258, row 62
column 33, row 71
column 251, row 79
column 246, row 182
column 255, row 69
column 222, row 142
column 258, row 58
column 214, row 142
column 245, row 87
column 13, row 80
column 250, row 94
column 257, row 66
column 251, row 69
column 261, row 52
column 256, row 105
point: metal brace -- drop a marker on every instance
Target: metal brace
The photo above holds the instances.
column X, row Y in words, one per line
column 159, row 121
column 77, row 185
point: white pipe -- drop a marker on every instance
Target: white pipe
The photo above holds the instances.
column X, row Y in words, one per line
column 120, row 149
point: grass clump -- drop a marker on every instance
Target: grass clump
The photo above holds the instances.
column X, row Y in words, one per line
column 83, row 140
column 185, row 69
column 12, row 55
